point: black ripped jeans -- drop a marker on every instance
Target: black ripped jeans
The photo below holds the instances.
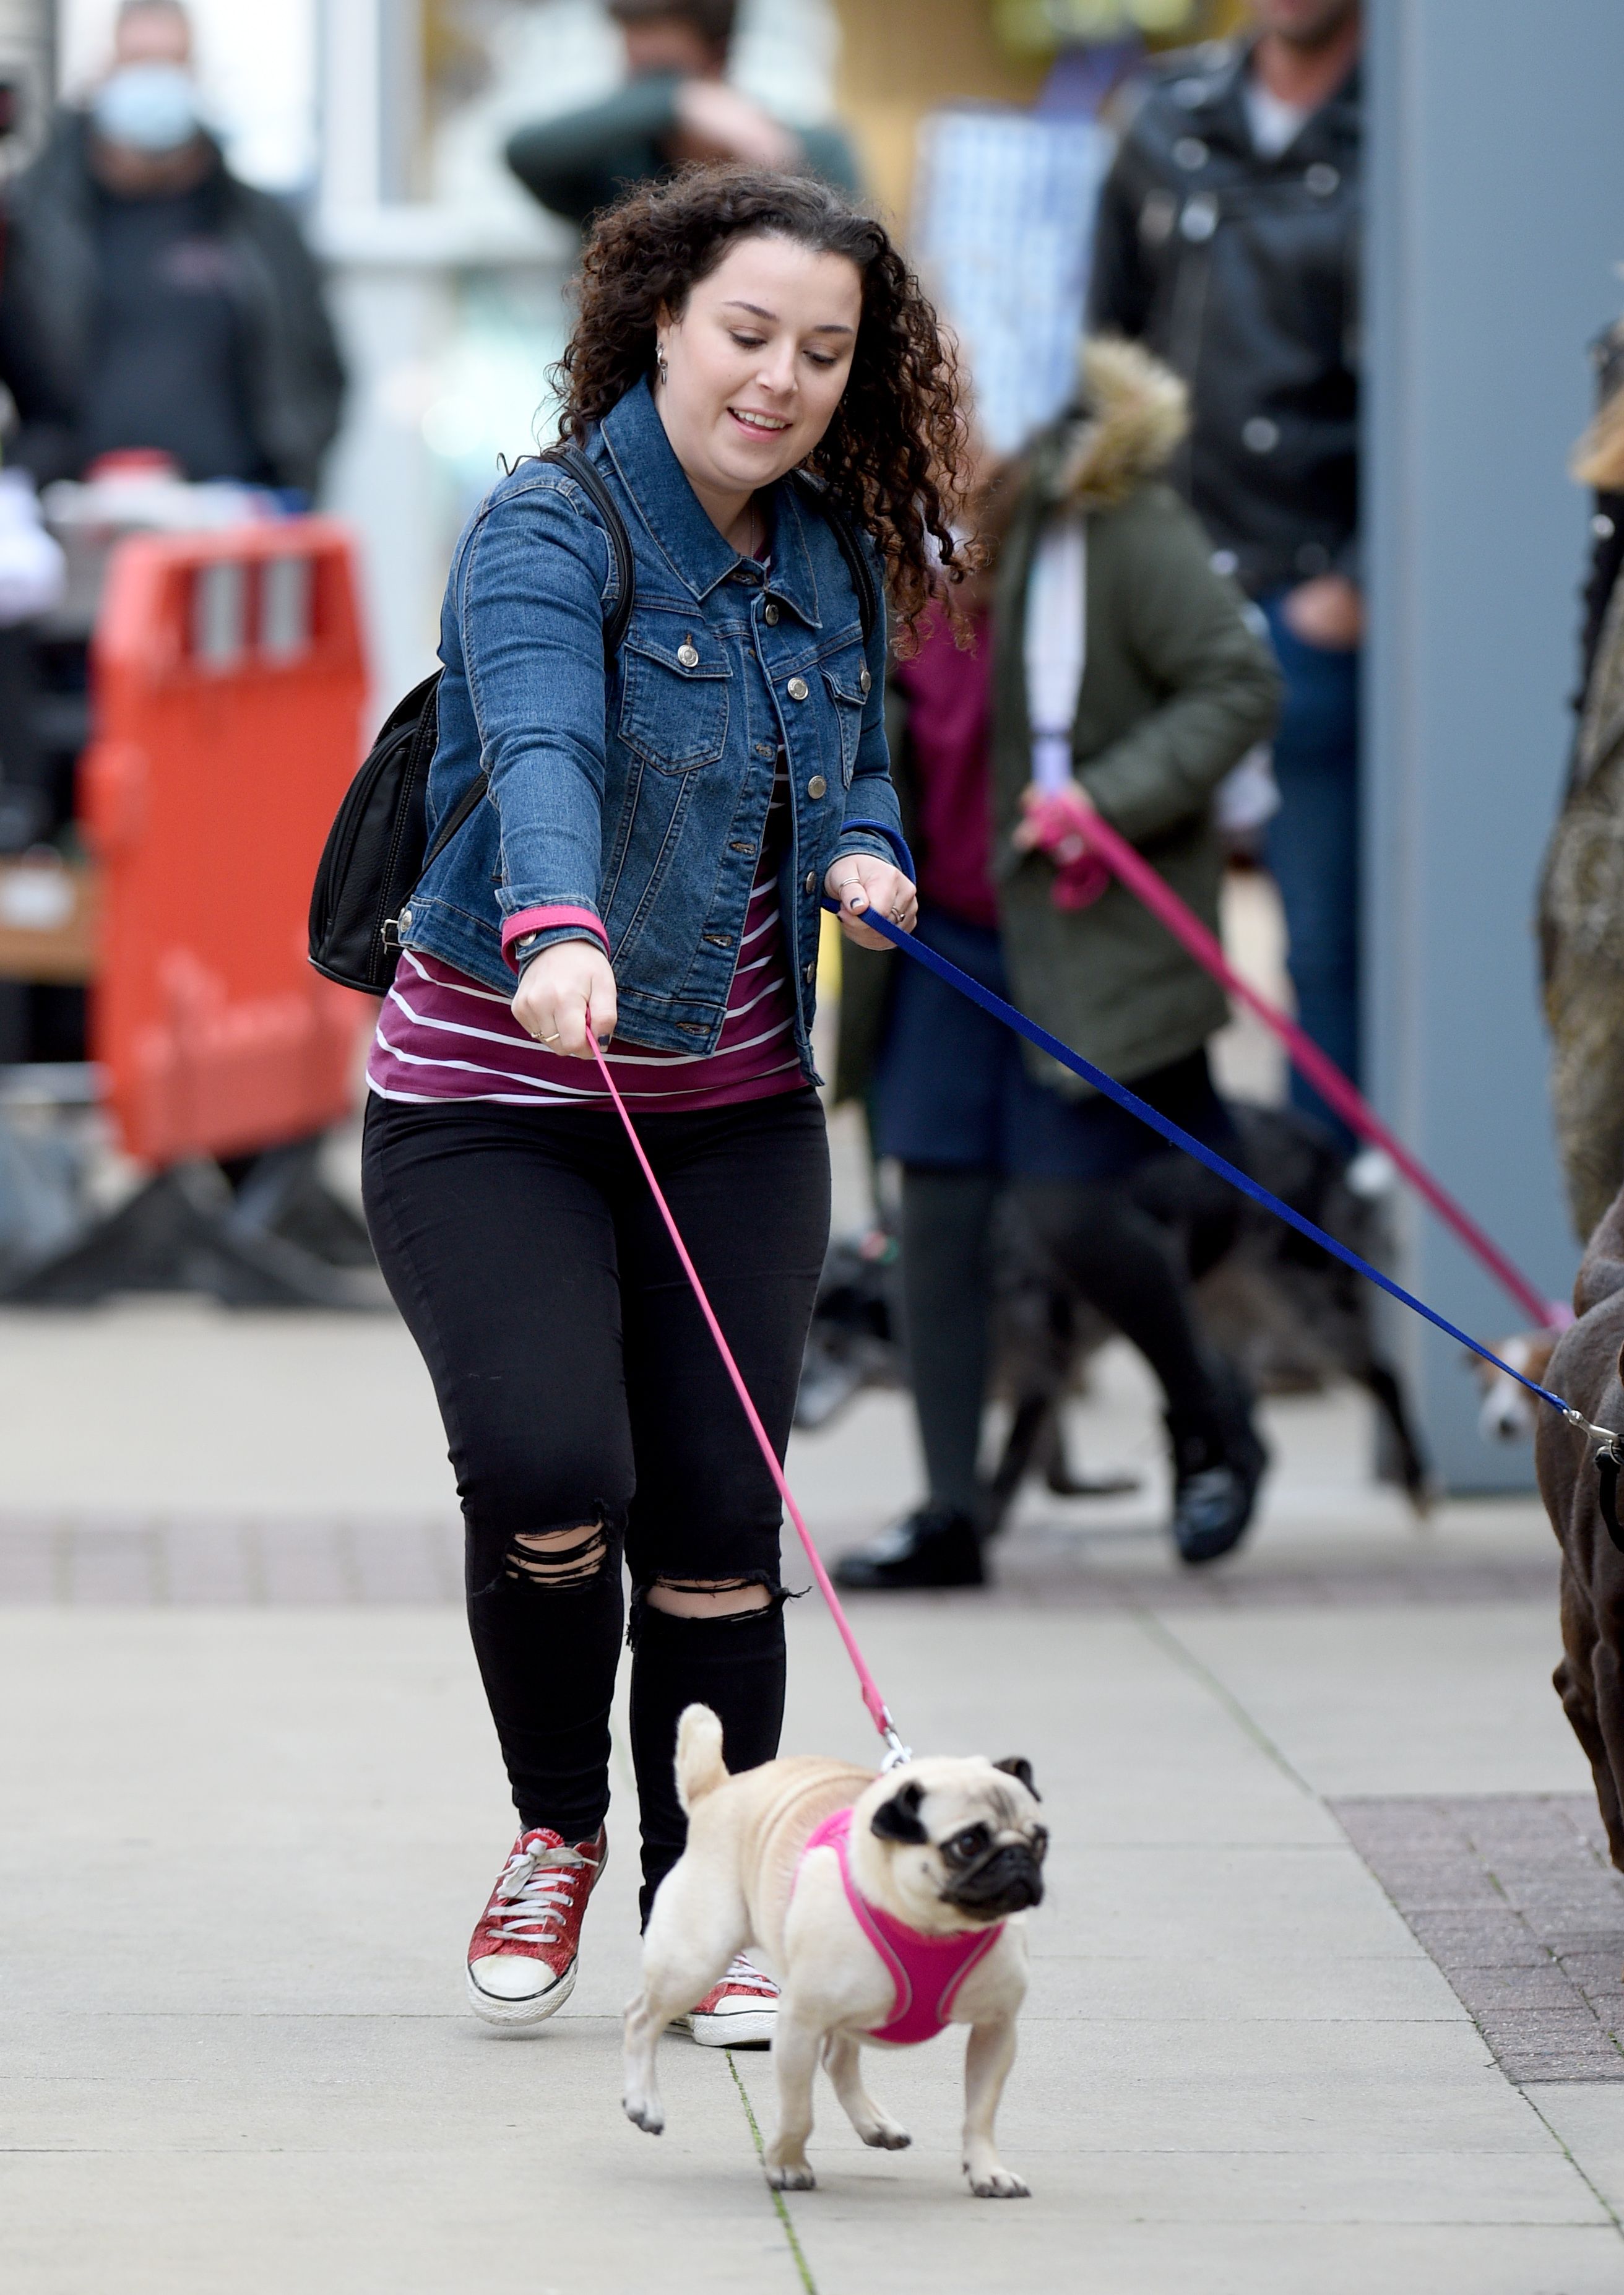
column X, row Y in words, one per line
column 581, row 1393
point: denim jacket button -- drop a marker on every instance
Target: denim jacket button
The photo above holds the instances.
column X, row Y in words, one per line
column 689, row 656
column 817, row 786
column 796, row 690
column 811, row 885
column 809, row 973
column 863, row 680
column 769, row 612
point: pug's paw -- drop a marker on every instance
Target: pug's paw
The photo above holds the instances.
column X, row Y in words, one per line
column 648, row 2117
column 999, row 2184
column 885, row 2135
column 794, row 2176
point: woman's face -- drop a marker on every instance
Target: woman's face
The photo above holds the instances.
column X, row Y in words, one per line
column 755, row 365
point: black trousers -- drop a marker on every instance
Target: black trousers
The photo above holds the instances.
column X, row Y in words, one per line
column 590, row 1419
column 1097, row 1239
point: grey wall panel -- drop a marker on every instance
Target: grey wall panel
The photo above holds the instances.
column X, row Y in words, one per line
column 1496, row 222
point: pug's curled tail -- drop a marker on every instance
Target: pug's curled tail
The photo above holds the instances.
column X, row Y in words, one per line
column 700, row 1767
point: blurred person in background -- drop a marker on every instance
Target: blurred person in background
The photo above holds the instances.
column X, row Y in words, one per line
column 150, row 300
column 1228, row 241
column 676, row 107
column 1163, row 687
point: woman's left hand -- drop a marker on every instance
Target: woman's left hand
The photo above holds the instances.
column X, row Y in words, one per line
column 1031, row 836
column 859, row 882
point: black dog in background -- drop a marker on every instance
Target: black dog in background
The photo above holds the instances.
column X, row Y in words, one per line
column 1288, row 1315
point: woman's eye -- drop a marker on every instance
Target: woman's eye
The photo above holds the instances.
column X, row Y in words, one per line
column 819, row 358
column 750, row 342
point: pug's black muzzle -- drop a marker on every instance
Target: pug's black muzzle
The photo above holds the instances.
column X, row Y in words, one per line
column 1005, row 1880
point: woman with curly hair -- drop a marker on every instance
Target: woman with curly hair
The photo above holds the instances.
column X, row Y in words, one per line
column 753, row 372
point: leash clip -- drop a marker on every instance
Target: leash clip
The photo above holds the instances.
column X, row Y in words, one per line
column 1611, row 1443
column 897, row 1754
column 1609, row 1457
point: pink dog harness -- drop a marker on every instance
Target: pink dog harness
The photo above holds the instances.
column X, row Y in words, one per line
column 926, row 1971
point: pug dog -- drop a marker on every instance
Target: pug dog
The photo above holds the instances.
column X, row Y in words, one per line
column 889, row 1906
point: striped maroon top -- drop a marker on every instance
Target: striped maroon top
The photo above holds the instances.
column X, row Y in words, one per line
column 443, row 1036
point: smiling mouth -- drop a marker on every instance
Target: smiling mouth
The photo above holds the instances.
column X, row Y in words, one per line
column 765, row 426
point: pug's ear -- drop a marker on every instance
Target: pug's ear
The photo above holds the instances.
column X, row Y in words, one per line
column 898, row 1819
column 1018, row 1766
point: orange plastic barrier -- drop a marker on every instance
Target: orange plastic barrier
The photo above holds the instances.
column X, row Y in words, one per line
column 228, row 684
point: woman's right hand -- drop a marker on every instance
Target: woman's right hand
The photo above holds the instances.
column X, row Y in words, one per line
column 559, row 988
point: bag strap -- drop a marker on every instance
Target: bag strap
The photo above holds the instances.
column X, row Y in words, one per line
column 571, row 459
column 585, row 473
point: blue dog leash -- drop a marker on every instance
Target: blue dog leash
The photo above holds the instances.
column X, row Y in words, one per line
column 1609, row 1457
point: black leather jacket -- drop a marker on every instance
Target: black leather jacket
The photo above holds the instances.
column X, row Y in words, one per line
column 1242, row 273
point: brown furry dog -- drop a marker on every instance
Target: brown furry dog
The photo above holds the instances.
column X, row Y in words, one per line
column 1586, row 1369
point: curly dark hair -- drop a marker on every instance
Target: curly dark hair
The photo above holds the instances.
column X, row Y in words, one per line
column 895, row 454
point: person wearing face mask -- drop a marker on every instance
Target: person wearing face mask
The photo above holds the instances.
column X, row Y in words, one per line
column 152, row 301
column 676, row 107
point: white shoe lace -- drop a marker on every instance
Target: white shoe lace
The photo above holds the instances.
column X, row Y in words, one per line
column 751, row 1979
column 536, row 1888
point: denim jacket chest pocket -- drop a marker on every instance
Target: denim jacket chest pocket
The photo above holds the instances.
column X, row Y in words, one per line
column 847, row 681
column 674, row 706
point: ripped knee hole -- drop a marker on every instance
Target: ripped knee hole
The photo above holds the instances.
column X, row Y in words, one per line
column 715, row 1598
column 555, row 1558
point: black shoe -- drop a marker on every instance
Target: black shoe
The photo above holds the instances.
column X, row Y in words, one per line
column 935, row 1546
column 1217, row 1470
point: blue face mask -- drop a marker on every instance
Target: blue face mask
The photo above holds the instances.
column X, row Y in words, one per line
column 150, row 107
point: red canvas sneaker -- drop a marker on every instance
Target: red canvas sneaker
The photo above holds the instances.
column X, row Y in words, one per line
column 738, row 2012
column 521, row 1963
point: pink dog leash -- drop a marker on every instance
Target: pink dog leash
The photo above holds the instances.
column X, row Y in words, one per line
column 1063, row 823
column 879, row 1712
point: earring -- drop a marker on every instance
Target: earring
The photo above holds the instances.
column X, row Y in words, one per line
column 661, row 368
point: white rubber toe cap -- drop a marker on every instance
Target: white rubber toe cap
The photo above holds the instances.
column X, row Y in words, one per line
column 511, row 1976
column 510, row 1987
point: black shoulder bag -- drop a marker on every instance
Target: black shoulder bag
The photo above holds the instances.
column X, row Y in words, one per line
column 377, row 847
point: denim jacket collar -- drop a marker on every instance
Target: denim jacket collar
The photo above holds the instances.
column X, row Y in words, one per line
column 697, row 554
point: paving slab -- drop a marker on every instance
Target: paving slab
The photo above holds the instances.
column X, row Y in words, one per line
column 1399, row 1699
column 1588, row 2121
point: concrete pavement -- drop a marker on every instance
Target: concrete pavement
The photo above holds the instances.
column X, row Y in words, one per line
column 244, row 1834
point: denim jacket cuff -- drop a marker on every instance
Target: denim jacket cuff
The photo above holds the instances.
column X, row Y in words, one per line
column 529, row 930
column 880, row 841
column 875, row 848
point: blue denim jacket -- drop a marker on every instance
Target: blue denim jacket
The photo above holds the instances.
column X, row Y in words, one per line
column 627, row 803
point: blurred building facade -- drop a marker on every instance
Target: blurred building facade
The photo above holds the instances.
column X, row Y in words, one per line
column 1494, row 223
column 28, row 67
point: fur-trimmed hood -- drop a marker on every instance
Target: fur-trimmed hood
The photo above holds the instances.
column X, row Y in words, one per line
column 1132, row 414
